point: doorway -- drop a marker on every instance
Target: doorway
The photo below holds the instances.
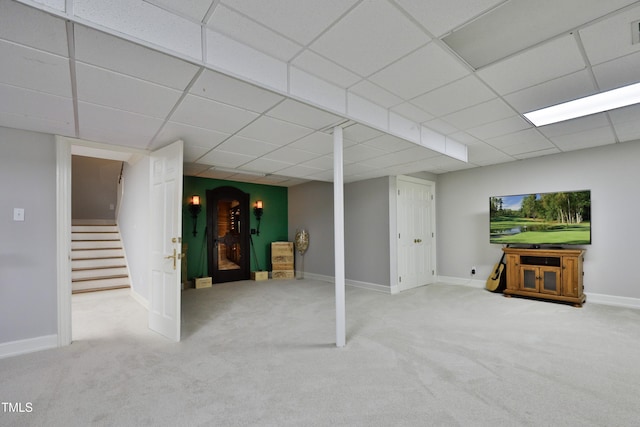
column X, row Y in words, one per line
column 416, row 232
column 228, row 234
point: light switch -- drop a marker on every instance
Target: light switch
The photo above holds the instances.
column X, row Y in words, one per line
column 18, row 214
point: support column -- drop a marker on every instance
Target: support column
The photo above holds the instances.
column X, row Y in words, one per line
column 338, row 235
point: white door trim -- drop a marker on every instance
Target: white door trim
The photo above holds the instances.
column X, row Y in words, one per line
column 64, row 148
column 393, row 227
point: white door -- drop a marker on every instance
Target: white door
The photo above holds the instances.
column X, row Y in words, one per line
column 166, row 240
column 415, row 233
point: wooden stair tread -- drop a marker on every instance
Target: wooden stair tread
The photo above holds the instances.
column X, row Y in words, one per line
column 115, row 276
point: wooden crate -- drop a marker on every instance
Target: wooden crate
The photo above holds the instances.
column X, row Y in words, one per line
column 282, row 256
column 203, row 282
column 283, row 274
column 259, row 275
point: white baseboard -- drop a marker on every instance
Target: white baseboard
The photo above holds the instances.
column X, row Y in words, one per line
column 15, row 348
column 474, row 283
column 613, row 300
column 355, row 283
column 591, row 298
column 139, row 298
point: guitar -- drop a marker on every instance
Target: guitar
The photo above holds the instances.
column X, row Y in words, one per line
column 497, row 280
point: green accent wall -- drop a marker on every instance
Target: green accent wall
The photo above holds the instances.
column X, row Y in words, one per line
column 273, row 227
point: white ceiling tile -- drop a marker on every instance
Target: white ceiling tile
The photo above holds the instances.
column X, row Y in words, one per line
column 322, row 176
column 194, row 168
column 265, row 165
column 99, row 86
column 227, row 90
column 248, row 146
column 317, row 142
column 115, row 54
column 216, row 174
column 191, row 135
column 207, row 114
column 360, row 41
column 618, row 72
column 51, row 75
column 289, row 154
column 223, row 159
column 500, row 127
column 521, row 142
column 96, row 124
column 358, row 169
column 556, row 91
column 516, row 25
column 315, row 64
column 465, row 138
column 447, row 99
column 626, row 123
column 299, row 171
column 37, row 111
column 548, row 61
column 400, row 157
column 585, row 139
column 484, row 155
column 324, row 162
column 275, row 131
column 238, row 59
column 441, row 127
column 412, row 112
column 421, row 71
column 360, row 152
column 37, row 105
column 610, row 38
column 144, row 21
column 245, row 30
column 375, row 93
column 300, row 20
column 193, row 9
column 316, row 91
column 302, row 114
column 360, row 133
column 28, row 26
column 440, row 17
column 191, row 152
column 480, row 114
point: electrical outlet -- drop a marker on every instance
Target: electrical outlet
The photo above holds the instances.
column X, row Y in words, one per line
column 473, row 270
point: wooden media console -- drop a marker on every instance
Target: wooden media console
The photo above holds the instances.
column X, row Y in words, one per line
column 550, row 274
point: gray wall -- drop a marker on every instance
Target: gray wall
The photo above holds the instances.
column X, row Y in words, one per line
column 610, row 172
column 28, row 289
column 311, row 207
column 94, row 185
column 366, row 228
column 366, row 231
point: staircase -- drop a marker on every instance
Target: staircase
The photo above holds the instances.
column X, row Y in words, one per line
column 97, row 258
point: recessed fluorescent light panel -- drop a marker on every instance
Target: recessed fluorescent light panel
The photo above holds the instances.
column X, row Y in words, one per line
column 605, row 101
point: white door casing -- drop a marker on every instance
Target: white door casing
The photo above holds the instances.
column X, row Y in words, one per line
column 415, row 226
column 166, row 240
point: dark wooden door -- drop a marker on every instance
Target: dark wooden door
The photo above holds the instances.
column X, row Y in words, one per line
column 228, row 234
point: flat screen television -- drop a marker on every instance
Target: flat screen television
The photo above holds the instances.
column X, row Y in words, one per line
column 549, row 219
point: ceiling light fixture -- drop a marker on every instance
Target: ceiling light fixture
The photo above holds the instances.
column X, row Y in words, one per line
column 216, row 168
column 605, row 101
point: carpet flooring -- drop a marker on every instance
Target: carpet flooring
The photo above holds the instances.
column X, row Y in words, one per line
column 263, row 354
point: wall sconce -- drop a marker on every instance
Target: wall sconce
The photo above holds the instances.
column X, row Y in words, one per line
column 257, row 211
column 195, row 207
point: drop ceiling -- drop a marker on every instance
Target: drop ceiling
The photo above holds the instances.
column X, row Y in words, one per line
column 254, row 87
